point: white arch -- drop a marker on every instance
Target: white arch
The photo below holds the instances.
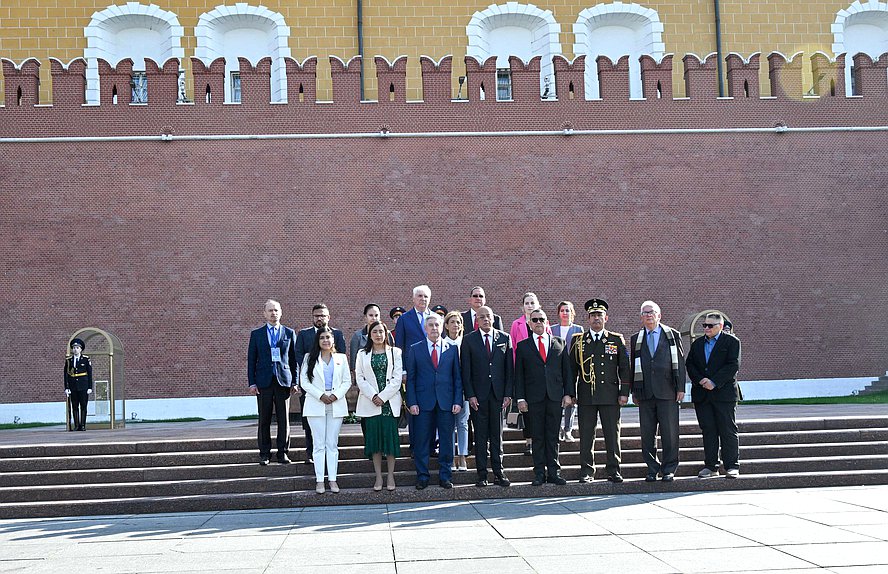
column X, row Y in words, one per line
column 861, row 27
column 514, row 29
column 614, row 30
column 252, row 32
column 132, row 30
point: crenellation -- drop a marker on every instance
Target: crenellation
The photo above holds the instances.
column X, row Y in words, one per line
column 436, row 79
column 115, row 87
column 68, row 83
column 828, row 75
column 255, row 82
column 346, row 79
column 391, row 80
column 21, row 83
column 570, row 82
column 743, row 76
column 525, row 79
column 870, row 75
column 209, row 81
column 701, row 76
column 613, row 78
column 163, row 82
column 785, row 75
column 656, row 78
column 302, row 80
column 481, row 79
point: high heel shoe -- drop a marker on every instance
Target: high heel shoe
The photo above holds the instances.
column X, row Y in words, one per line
column 378, row 486
column 334, row 488
column 391, row 484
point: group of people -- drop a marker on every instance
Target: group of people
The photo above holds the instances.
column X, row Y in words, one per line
column 442, row 369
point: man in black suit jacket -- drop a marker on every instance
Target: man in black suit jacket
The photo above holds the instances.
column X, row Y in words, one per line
column 486, row 357
column 542, row 388
column 478, row 299
column 78, row 383
column 271, row 376
column 320, row 317
column 712, row 365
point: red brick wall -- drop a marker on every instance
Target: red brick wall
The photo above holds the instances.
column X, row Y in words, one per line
column 173, row 246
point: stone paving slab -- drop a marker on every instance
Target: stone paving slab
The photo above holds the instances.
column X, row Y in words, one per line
column 822, row 531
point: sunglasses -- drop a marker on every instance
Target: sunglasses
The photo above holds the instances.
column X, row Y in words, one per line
column 709, row 325
column 478, row 295
column 538, row 319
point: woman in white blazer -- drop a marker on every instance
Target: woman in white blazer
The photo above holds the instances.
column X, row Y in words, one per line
column 378, row 373
column 325, row 378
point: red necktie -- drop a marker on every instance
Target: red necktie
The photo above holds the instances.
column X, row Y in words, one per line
column 475, row 328
column 542, row 348
column 435, row 355
column 487, row 343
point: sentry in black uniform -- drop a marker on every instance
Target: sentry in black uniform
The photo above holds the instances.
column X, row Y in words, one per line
column 78, row 382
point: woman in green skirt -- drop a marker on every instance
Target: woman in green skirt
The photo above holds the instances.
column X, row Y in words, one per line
column 378, row 372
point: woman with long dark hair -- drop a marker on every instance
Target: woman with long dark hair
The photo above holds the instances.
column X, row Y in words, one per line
column 325, row 378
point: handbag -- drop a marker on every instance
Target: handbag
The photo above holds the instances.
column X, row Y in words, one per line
column 402, row 420
column 515, row 420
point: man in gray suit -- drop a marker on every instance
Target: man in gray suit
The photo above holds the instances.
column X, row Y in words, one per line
column 658, row 383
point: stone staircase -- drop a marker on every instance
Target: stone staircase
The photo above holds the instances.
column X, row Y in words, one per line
column 108, row 477
column 877, row 386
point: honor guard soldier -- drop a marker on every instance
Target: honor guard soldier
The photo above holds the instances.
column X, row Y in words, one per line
column 601, row 374
column 78, row 382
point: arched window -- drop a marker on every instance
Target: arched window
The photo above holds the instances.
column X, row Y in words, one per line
column 614, row 30
column 860, row 28
column 132, row 30
column 513, row 29
column 252, row 32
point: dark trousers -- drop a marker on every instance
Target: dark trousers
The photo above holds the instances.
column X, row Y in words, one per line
column 79, row 399
column 309, row 442
column 610, row 427
column 545, row 420
column 488, row 424
column 274, row 399
column 718, row 422
column 662, row 413
column 427, row 424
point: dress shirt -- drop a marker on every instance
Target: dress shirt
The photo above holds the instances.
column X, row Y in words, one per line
column 536, row 342
column 269, row 328
column 596, row 335
column 656, row 333
column 328, row 374
column 430, row 345
column 709, row 344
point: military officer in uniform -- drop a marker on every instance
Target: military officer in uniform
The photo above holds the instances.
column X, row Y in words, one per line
column 601, row 374
column 78, row 383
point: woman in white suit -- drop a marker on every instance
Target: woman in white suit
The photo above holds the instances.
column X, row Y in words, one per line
column 325, row 378
column 378, row 372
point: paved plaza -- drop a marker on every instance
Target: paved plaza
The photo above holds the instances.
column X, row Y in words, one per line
column 801, row 531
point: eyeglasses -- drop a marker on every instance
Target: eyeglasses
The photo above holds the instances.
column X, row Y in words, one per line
column 478, row 295
column 709, row 325
column 538, row 319
column 648, row 312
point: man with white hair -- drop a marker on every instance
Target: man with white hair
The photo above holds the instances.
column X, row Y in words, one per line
column 410, row 328
column 658, row 383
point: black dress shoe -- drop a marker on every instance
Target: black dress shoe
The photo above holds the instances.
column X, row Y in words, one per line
column 538, row 481
column 445, row 484
column 585, row 479
column 263, row 461
column 528, row 451
column 556, row 480
column 283, row 459
column 502, row 481
column 616, row 478
column 482, row 482
column 422, row 484
column 668, row 477
column 651, row 477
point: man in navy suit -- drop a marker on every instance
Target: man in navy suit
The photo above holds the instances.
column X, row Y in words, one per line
column 271, row 364
column 410, row 328
column 320, row 318
column 434, row 395
column 486, row 357
column 478, row 299
column 543, row 388
column 712, row 366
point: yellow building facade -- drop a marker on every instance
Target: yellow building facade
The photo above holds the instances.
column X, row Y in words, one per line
column 57, row 28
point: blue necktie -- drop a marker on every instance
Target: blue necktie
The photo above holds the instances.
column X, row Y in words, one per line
column 707, row 348
column 652, row 342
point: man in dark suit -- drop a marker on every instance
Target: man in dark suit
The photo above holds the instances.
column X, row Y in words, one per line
column 486, row 357
column 410, row 327
column 434, row 395
column 78, row 383
column 478, row 299
column 320, row 317
column 658, row 383
column 542, row 389
column 600, row 367
column 271, row 376
column 712, row 365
